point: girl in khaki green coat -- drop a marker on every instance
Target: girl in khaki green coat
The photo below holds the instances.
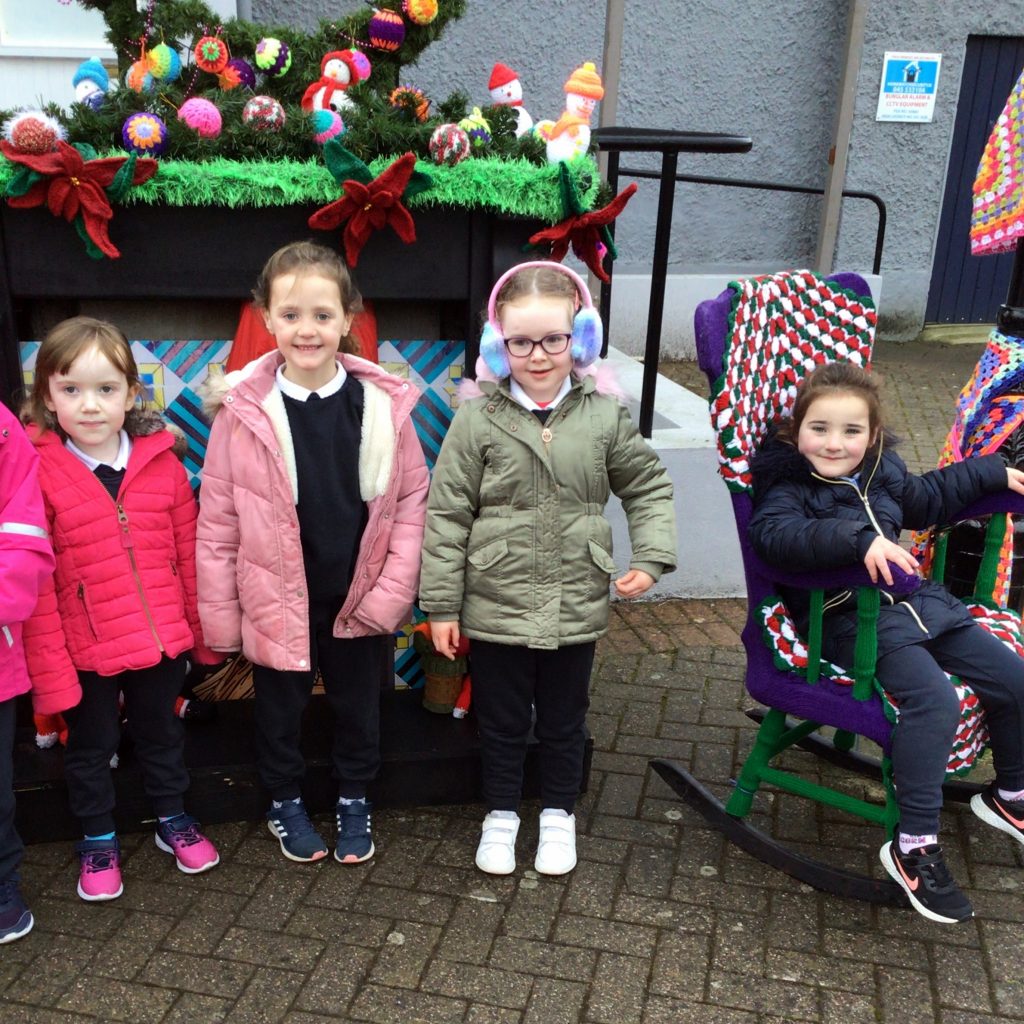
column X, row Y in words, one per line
column 517, row 553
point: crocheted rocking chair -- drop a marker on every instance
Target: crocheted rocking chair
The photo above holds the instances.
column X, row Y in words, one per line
column 756, row 341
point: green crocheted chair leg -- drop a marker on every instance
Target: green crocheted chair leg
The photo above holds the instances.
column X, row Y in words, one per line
column 814, row 626
column 939, row 556
column 866, row 650
column 988, row 571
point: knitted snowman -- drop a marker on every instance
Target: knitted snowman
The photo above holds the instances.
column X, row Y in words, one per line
column 569, row 136
column 507, row 91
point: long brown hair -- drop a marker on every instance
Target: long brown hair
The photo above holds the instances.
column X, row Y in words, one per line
column 61, row 347
column 301, row 258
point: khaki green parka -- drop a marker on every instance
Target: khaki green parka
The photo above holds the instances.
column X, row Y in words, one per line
column 517, row 547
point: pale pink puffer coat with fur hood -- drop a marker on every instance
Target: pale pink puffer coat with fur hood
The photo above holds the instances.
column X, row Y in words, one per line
column 252, row 585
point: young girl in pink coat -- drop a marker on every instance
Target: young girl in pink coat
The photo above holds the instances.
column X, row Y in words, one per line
column 119, row 615
column 26, row 562
column 311, row 520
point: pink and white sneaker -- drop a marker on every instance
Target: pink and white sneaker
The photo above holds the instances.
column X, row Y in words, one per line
column 100, row 875
column 180, row 835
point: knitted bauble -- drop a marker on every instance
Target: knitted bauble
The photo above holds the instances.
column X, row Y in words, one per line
column 387, row 30
column 263, row 114
column 360, row 64
column 237, row 73
column 477, row 127
column 273, row 57
column 327, row 124
column 164, row 63
column 145, row 134
column 411, row 100
column 449, row 144
column 211, row 54
column 138, row 78
column 420, row 12
column 34, row 132
column 202, row 116
column 585, row 81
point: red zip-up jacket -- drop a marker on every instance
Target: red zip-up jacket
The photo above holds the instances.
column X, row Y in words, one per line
column 124, row 591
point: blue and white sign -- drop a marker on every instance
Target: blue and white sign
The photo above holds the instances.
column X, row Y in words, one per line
column 909, row 84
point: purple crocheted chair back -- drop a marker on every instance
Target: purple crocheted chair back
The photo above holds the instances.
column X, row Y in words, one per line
column 781, row 359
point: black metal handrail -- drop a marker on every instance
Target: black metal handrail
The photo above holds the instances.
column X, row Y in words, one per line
column 778, row 186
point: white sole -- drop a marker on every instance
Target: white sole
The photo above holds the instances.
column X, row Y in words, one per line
column 14, row 936
column 102, row 897
column 987, row 815
column 161, row 845
column 885, row 856
column 360, row 860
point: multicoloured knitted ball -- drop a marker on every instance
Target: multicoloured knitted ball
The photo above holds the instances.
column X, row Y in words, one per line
column 273, row 57
column 211, row 54
column 360, row 64
column 138, row 77
column 387, row 30
column 164, row 63
column 411, row 100
column 477, row 127
column 263, row 114
column 420, row 12
column 449, row 145
column 327, row 124
column 202, row 116
column 237, row 73
column 145, row 134
column 34, row 132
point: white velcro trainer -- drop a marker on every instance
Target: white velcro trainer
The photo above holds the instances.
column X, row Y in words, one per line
column 496, row 853
column 556, row 851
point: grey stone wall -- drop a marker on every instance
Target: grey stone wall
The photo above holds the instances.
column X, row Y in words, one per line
column 770, row 71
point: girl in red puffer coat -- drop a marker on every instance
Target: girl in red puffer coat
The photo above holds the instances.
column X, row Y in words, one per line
column 119, row 615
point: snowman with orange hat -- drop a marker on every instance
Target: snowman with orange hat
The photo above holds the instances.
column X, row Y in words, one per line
column 569, row 136
column 507, row 91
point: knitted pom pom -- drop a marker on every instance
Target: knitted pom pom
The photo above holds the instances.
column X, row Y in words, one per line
column 138, row 77
column 211, row 54
column 387, row 30
column 587, row 334
column 263, row 114
column 492, row 351
column 34, row 132
column 164, row 63
column 273, row 57
column 420, row 12
column 411, row 100
column 449, row 144
column 145, row 134
column 327, row 124
column 237, row 73
column 202, row 116
column 360, row 64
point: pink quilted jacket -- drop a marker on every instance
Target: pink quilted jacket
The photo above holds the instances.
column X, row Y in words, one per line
column 251, row 577
column 26, row 560
column 124, row 592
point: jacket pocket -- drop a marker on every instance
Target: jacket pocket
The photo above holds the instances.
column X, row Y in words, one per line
column 83, row 598
column 488, row 554
column 179, row 589
column 601, row 558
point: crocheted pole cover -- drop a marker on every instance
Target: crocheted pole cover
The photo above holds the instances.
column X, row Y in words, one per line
column 781, row 327
column 988, row 411
column 997, row 219
column 790, row 653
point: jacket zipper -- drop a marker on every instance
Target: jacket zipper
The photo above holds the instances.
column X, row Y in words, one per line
column 85, row 609
column 129, row 545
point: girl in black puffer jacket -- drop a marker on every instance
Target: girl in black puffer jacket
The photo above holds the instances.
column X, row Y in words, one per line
column 828, row 492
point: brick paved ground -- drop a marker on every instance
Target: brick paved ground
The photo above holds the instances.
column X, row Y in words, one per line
column 661, row 923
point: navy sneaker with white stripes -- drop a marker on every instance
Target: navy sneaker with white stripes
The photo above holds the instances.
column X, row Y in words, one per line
column 292, row 827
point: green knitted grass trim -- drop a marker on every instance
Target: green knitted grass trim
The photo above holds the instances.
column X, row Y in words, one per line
column 515, row 187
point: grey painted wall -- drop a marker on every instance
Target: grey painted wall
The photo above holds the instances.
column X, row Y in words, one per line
column 731, row 66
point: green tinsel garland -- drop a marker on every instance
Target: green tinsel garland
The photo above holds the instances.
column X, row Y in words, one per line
column 515, row 187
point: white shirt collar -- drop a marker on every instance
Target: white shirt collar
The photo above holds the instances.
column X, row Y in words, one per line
column 528, row 403
column 300, row 394
column 121, row 462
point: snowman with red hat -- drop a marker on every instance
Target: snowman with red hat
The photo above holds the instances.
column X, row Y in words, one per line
column 507, row 91
column 338, row 70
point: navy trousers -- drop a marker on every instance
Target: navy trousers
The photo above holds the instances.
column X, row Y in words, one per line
column 11, row 848
column 507, row 683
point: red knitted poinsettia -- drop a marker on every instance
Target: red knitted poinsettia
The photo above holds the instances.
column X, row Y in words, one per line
column 76, row 188
column 587, row 233
column 365, row 208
